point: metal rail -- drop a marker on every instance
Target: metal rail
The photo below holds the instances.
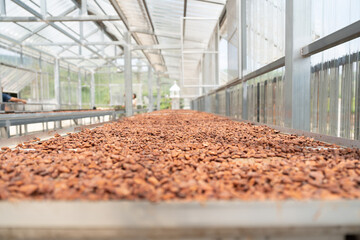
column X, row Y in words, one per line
column 341, row 36
column 192, row 220
column 14, row 141
column 7, row 120
column 263, row 70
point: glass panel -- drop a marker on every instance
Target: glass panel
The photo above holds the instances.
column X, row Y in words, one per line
column 329, row 16
column 265, row 21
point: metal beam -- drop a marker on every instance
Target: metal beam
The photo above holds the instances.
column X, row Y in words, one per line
column 18, row 67
column 343, row 35
column 155, row 32
column 45, row 25
column 57, row 83
column 268, row 219
column 87, row 18
column 19, row 119
column 128, row 77
column 158, row 97
column 82, row 4
column 183, row 20
column 79, row 90
column 263, row 70
column 243, row 56
column 90, row 58
column 242, row 37
column 36, row 14
column 78, row 42
column 150, row 77
column 32, row 48
column 70, row 45
column 92, row 90
column 189, row 50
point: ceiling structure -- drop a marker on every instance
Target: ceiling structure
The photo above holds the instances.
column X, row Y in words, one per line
column 91, row 33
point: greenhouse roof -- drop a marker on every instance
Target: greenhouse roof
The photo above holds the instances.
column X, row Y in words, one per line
column 90, row 34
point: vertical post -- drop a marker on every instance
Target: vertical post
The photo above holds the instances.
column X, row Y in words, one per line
column 201, row 77
column 242, row 37
column 227, row 102
column 79, row 90
column 297, row 68
column 182, row 22
column 244, row 112
column 110, row 75
column 242, row 56
column 2, row 8
column 7, row 128
column 207, row 103
column 150, row 89
column 57, row 83
column 158, row 93
column 217, row 55
column 92, row 90
column 43, row 8
column 36, row 88
column 69, row 87
column 128, row 76
column 41, row 81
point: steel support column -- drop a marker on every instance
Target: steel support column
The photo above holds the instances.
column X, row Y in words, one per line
column 150, row 93
column 92, row 90
column 57, row 83
column 79, row 90
column 242, row 56
column 69, row 87
column 41, row 92
column 207, row 104
column 297, row 68
column 242, row 37
column 158, row 93
column 227, row 102
column 244, row 112
column 128, row 76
